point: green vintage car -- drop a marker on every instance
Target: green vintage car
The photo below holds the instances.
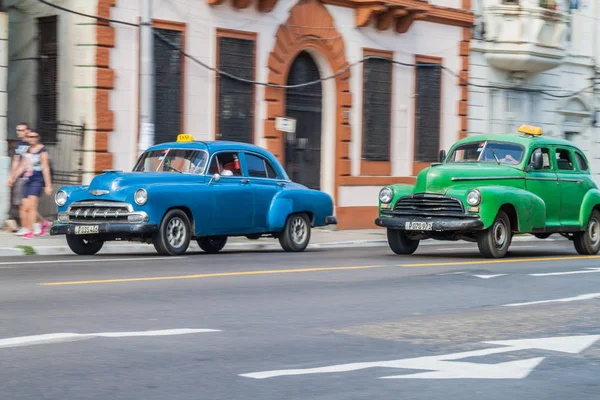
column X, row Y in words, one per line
column 490, row 187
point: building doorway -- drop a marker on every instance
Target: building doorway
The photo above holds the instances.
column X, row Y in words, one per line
column 303, row 149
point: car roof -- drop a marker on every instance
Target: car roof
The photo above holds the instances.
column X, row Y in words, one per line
column 211, row 146
column 522, row 139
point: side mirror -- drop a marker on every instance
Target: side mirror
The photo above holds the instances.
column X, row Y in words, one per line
column 537, row 160
column 214, row 178
column 442, row 155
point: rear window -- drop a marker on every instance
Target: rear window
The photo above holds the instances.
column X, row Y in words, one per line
column 581, row 164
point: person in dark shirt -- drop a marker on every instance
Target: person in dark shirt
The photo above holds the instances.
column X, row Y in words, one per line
column 21, row 147
column 34, row 170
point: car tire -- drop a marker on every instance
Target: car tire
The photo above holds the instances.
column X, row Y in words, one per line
column 212, row 244
column 82, row 246
column 174, row 233
column 157, row 246
column 495, row 241
column 542, row 235
column 296, row 233
column 588, row 242
column 400, row 243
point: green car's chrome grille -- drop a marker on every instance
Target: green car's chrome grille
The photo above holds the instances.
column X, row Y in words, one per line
column 428, row 205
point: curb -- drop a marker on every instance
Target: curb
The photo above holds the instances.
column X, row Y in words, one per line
column 269, row 246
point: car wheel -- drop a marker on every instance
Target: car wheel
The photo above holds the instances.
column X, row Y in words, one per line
column 212, row 244
column 400, row 243
column 157, row 246
column 174, row 233
column 296, row 233
column 82, row 246
column 495, row 241
column 588, row 242
column 542, row 235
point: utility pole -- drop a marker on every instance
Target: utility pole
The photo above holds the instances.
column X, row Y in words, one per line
column 146, row 133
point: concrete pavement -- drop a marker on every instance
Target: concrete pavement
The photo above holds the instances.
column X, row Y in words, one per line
column 324, row 324
column 11, row 245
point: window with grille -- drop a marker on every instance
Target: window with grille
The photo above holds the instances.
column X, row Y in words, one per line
column 427, row 110
column 236, row 99
column 377, row 109
column 168, row 86
column 47, row 94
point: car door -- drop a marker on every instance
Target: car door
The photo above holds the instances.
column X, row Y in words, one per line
column 231, row 196
column 265, row 185
column 544, row 183
column 573, row 187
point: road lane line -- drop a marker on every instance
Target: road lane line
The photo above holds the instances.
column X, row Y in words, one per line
column 91, row 260
column 503, row 261
column 69, row 337
column 582, row 297
column 586, row 271
column 213, row 275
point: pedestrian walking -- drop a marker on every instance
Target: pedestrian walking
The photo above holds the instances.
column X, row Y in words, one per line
column 34, row 169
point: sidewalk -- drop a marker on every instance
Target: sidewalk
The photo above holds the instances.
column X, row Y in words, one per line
column 12, row 245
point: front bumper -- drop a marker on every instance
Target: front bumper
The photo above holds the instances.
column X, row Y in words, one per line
column 110, row 229
column 438, row 224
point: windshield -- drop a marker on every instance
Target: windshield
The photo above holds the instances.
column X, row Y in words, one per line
column 172, row 160
column 494, row 152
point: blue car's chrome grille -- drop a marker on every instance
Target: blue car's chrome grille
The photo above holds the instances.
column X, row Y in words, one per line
column 429, row 205
column 99, row 211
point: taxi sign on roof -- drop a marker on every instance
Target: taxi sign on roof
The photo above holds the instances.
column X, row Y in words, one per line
column 185, row 137
column 530, row 130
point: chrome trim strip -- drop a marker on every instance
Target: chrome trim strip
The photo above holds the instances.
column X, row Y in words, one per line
column 540, row 179
column 488, row 178
column 571, row 180
column 102, row 204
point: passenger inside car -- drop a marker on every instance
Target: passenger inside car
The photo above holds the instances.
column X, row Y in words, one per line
column 226, row 164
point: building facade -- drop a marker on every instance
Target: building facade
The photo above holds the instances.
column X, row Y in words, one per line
column 364, row 124
column 536, row 62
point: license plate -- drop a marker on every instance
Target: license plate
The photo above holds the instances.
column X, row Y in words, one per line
column 87, row 229
column 418, row 226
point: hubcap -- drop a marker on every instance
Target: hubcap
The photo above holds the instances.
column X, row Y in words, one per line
column 500, row 235
column 594, row 232
column 299, row 230
column 176, row 232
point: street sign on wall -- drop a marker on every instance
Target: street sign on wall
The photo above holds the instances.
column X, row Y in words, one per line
column 284, row 124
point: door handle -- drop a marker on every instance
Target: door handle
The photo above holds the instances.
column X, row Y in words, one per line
column 245, row 181
column 281, row 184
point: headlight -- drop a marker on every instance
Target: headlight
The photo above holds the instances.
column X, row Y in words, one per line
column 60, row 198
column 474, row 197
column 386, row 195
column 140, row 197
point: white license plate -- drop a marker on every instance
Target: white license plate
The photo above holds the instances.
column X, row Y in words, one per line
column 87, row 229
column 418, row 226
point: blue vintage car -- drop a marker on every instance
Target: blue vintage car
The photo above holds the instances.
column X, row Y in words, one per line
column 192, row 190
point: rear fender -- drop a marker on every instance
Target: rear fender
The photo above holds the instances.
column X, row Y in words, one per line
column 317, row 204
column 590, row 201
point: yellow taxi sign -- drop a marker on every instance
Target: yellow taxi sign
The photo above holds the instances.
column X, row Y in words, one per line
column 185, row 137
column 530, row 130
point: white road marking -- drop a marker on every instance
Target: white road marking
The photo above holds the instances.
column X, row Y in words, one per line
column 462, row 370
column 489, row 276
column 89, row 260
column 69, row 337
column 586, row 271
column 445, row 368
column 582, row 297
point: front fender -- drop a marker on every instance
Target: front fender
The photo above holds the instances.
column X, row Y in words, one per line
column 530, row 209
column 590, row 200
column 318, row 204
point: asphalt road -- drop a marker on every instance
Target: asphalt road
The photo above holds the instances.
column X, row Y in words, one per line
column 325, row 324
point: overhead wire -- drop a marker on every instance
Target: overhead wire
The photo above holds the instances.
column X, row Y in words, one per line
column 317, row 81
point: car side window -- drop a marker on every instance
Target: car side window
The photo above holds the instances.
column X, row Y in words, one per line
column 259, row 167
column 563, row 160
column 225, row 164
column 581, row 163
column 546, row 164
